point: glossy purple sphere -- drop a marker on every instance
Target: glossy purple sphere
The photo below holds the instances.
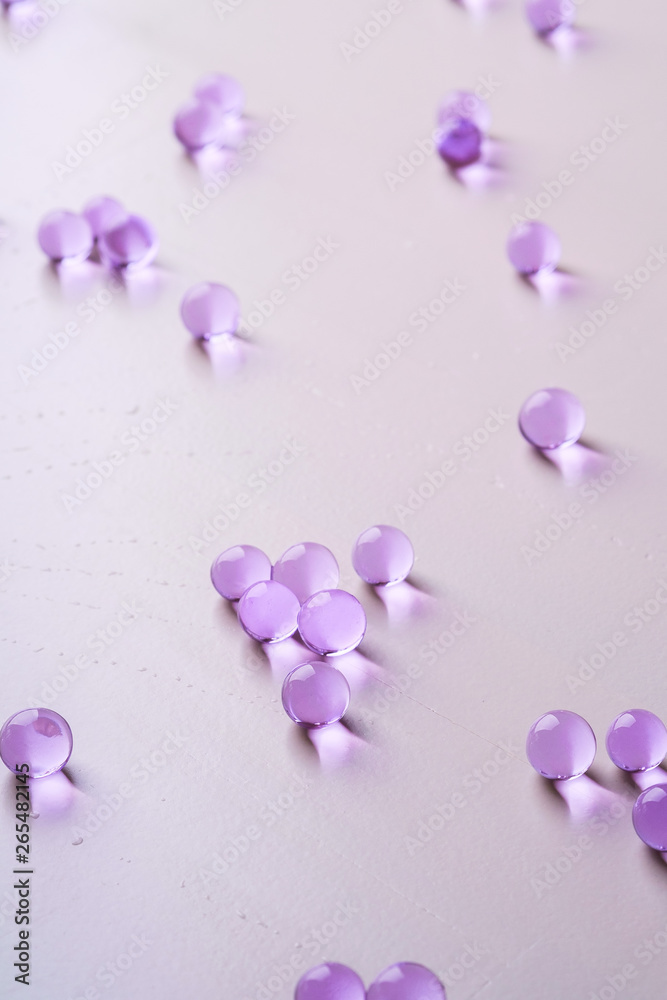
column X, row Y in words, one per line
column 463, row 104
column 268, row 611
column 209, row 310
column 649, row 816
column 223, row 91
column 406, row 981
column 315, row 695
column 546, row 16
column 332, row 622
column 65, row 236
column 551, row 418
column 383, row 555
column 561, row 745
column 307, row 568
column 104, row 213
column 637, row 740
column 330, row 981
column 236, row 569
column 200, row 123
column 533, row 248
column 459, row 142
column 131, row 245
column 38, row 737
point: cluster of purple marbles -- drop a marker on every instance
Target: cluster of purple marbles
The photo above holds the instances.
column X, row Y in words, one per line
column 300, row 593
column 562, row 745
column 210, row 117
column 123, row 241
column 402, row 981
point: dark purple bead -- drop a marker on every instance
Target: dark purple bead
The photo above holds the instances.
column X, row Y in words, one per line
column 459, row 142
column 546, row 16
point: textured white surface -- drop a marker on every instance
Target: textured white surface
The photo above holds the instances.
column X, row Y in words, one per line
column 337, row 850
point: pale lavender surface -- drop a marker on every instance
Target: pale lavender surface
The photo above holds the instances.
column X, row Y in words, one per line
column 561, row 744
column 637, row 740
column 546, row 16
column 533, row 248
column 649, row 816
column 307, row 568
column 39, row 737
column 65, row 236
column 103, row 213
column 236, row 569
column 209, row 309
column 268, row 611
column 131, row 245
column 315, row 694
column 332, row 622
column 199, row 123
column 551, row 418
column 383, row 554
column 406, row 981
column 464, row 104
column 222, row 90
column 459, row 142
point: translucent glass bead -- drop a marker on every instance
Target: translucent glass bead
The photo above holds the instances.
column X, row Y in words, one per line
column 268, row 611
column 236, row 569
column 65, row 236
column 131, row 245
column 104, row 213
column 200, row 123
column 223, row 91
column 649, row 817
column 461, row 104
column 330, row 981
column 383, row 555
column 637, row 740
column 332, row 622
column 561, row 745
column 406, row 981
column 533, row 248
column 306, row 569
column 459, row 142
column 551, row 418
column 38, row 737
column 546, row 16
column 209, row 310
column 315, row 695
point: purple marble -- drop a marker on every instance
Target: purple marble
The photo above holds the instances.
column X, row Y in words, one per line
column 315, row 695
column 330, row 981
column 561, row 745
column 637, row 740
column 104, row 213
column 236, row 569
column 129, row 246
column 65, row 236
column 307, row 568
column 332, row 622
column 533, row 248
column 200, row 124
column 406, row 981
column 461, row 104
column 209, row 310
column 551, row 418
column 383, row 555
column 223, row 91
column 268, row 611
column 459, row 142
column 546, row 16
column 38, row 737
column 649, row 816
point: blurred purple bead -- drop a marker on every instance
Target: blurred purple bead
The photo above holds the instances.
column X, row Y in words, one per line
column 459, row 142
column 637, row 740
column 533, row 248
column 200, row 123
column 561, row 745
column 268, row 611
column 315, row 695
column 461, row 104
column 209, row 310
column 129, row 246
column 65, row 236
column 223, row 91
column 383, row 555
column 546, row 16
column 406, row 981
column 649, row 817
column 332, row 622
column 104, row 213
column 38, row 737
column 236, row 569
column 306, row 569
column 551, row 418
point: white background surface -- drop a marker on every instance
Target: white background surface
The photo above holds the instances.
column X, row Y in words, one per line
column 183, row 667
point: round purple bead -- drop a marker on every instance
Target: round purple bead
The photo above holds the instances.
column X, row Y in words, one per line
column 315, row 695
column 547, row 15
column 129, row 246
column 268, row 611
column 406, row 981
column 533, row 248
column 236, row 569
column 383, row 555
column 330, row 981
column 38, row 737
column 104, row 213
column 649, row 816
column 199, row 123
column 462, row 104
column 223, row 91
column 637, row 740
column 551, row 418
column 306, row 569
column 459, row 142
column 561, row 745
column 209, row 309
column 65, row 236
column 332, row 622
